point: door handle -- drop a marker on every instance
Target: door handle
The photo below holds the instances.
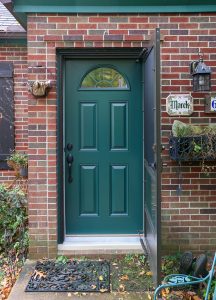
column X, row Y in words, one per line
column 69, row 146
column 70, row 161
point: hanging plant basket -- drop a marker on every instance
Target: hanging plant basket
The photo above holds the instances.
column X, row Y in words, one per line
column 193, row 148
column 23, row 171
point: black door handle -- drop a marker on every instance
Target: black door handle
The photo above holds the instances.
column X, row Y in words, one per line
column 70, row 161
column 69, row 146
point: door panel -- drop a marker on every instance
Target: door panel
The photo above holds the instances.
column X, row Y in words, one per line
column 152, row 154
column 119, row 190
column 119, row 126
column 105, row 127
column 88, row 126
column 88, row 190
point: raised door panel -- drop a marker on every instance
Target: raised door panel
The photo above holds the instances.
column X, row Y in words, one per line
column 88, row 187
column 119, row 190
column 119, row 126
column 88, row 126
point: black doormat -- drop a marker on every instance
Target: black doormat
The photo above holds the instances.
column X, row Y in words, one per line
column 72, row 276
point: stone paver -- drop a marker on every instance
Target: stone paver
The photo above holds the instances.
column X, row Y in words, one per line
column 18, row 291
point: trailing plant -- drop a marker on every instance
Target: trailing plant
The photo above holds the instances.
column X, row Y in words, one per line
column 18, row 158
column 17, row 161
column 13, row 228
column 194, row 143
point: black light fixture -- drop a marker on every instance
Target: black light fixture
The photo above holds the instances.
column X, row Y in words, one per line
column 201, row 75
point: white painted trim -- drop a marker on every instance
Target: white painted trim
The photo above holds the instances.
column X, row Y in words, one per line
column 101, row 243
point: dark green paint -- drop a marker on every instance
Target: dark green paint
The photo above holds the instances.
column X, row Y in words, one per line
column 152, row 156
column 60, row 197
column 114, row 6
column 105, row 128
column 15, row 41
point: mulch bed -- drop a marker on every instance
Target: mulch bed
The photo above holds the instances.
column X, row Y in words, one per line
column 71, row 276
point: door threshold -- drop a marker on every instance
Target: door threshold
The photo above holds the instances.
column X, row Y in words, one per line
column 98, row 244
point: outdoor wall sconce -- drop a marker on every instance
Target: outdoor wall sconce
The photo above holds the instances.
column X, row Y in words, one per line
column 39, row 88
column 201, row 75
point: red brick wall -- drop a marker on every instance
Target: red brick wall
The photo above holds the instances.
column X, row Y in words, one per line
column 188, row 219
column 18, row 56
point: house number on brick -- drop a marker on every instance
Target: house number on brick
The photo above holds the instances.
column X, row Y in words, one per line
column 210, row 104
column 179, row 105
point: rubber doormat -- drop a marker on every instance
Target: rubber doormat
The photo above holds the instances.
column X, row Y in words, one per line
column 72, row 276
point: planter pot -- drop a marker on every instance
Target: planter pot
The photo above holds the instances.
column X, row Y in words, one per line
column 184, row 148
column 23, row 172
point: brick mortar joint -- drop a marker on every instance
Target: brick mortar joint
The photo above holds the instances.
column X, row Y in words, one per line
column 124, row 37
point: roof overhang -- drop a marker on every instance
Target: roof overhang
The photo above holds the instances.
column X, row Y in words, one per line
column 113, row 6
column 19, row 8
column 20, row 17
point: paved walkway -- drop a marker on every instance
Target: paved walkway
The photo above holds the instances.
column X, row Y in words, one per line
column 18, row 291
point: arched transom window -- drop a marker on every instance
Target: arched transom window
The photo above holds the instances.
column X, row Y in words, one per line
column 104, row 77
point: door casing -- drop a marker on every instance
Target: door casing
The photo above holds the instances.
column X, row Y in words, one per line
column 64, row 54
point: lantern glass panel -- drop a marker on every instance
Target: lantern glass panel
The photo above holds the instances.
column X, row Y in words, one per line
column 201, row 82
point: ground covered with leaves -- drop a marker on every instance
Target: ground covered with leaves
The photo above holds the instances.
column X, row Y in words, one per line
column 130, row 272
column 126, row 273
column 170, row 265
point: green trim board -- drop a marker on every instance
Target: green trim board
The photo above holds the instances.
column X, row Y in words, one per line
column 13, row 41
column 113, row 6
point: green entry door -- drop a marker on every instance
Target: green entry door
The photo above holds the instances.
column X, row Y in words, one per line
column 103, row 146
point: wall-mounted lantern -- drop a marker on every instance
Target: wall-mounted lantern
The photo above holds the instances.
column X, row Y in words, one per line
column 201, row 75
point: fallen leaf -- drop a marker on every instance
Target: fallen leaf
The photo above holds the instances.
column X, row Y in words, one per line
column 101, row 278
column 114, row 264
column 6, row 291
column 141, row 273
column 124, row 277
column 69, row 294
column 103, row 290
column 149, row 296
column 93, row 286
column 149, row 273
column 191, row 293
column 165, row 292
column 196, row 298
column 76, row 293
column 39, row 274
column 121, row 288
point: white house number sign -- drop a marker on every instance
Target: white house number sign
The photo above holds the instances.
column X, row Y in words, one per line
column 179, row 105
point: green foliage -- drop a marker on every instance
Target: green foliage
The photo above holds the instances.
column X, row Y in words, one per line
column 213, row 285
column 198, row 143
column 61, row 259
column 13, row 220
column 18, row 159
column 180, row 129
column 131, row 258
column 197, row 147
column 170, row 264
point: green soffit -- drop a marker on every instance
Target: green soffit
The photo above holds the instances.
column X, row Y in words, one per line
column 113, row 6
